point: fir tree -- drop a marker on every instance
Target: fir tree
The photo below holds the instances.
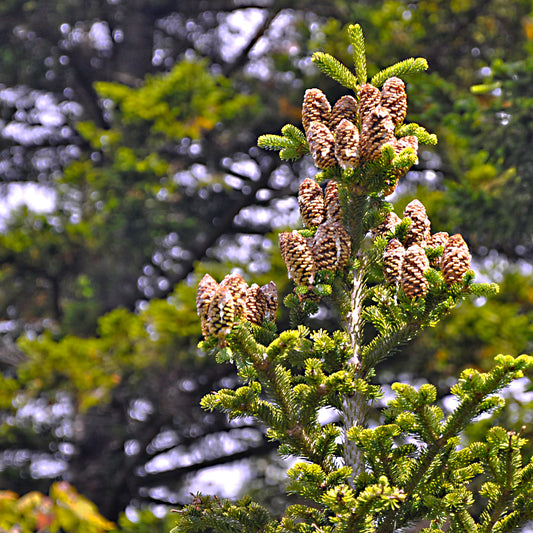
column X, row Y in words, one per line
column 388, row 278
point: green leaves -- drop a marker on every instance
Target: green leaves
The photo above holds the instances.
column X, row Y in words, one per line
column 355, row 33
column 335, row 69
column 292, row 144
column 408, row 66
column 185, row 102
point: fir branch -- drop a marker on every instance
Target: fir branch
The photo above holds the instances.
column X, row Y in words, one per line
column 357, row 40
column 407, row 66
column 423, row 136
column 270, row 141
column 384, row 346
column 335, row 69
column 292, row 132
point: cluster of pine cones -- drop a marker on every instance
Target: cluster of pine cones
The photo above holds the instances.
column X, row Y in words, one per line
column 220, row 305
column 329, row 248
column 404, row 263
column 353, row 132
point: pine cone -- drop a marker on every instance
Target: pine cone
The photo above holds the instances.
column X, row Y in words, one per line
column 399, row 145
column 205, row 292
column 331, row 201
column 415, row 263
column 256, row 305
column 377, row 130
column 369, row 98
column 388, row 225
column 221, row 313
column 321, row 145
column 455, row 259
column 331, row 246
column 315, row 108
column 347, row 144
column 324, row 247
column 437, row 239
column 237, row 288
column 311, row 203
column 345, row 107
column 298, row 257
column 419, row 230
column 393, row 256
column 394, row 98
column 271, row 294
column 344, row 245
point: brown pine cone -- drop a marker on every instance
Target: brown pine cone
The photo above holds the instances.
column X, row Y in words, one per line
column 271, row 294
column 344, row 245
column 392, row 261
column 377, row 130
column 347, row 144
column 345, row 107
column 311, row 203
column 455, row 261
column 399, row 145
column 331, row 201
column 221, row 313
column 321, row 145
column 324, row 247
column 237, row 288
column 205, row 292
column 420, row 228
column 388, row 225
column 394, row 98
column 437, row 239
column 315, row 107
column 405, row 142
column 331, row 246
column 369, row 98
column 298, row 257
column 415, row 263
column 256, row 305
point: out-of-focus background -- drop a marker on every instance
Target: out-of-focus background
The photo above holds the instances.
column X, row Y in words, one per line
column 128, row 169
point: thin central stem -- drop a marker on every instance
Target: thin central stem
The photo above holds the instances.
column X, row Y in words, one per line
column 355, row 408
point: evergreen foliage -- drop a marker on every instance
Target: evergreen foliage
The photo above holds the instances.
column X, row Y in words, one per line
column 416, row 464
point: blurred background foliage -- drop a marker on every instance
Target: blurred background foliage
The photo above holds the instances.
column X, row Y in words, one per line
column 129, row 169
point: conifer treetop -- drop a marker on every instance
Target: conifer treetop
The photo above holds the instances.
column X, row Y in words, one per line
column 387, row 277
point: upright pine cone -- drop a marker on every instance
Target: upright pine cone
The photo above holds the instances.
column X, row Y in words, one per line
column 204, row 294
column 345, row 107
column 237, row 288
column 315, row 107
column 271, row 294
column 369, row 98
column 455, row 261
column 347, row 144
column 256, row 305
column 401, row 144
column 298, row 257
column 311, row 203
column 437, row 239
column 331, row 246
column 388, row 225
column 206, row 289
column 377, row 130
column 393, row 256
column 406, row 142
column 321, row 145
column 415, row 263
column 419, row 230
column 331, row 201
column 394, row 98
column 324, row 247
column 221, row 313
